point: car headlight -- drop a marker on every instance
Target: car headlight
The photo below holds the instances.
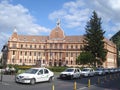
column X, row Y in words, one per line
column 20, row 77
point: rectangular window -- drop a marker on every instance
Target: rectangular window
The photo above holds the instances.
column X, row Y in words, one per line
column 13, row 52
column 76, row 46
column 44, row 46
column 30, row 53
column 30, row 46
column 51, row 45
column 39, row 46
column 20, row 60
column 14, row 45
column 66, row 54
column 71, row 46
column 60, row 46
column 20, row 52
column 35, row 46
column 13, row 60
column 71, row 54
column 34, row 53
column 67, row 47
column 25, row 53
column 26, row 45
column 39, row 54
column 55, row 46
column 21, row 46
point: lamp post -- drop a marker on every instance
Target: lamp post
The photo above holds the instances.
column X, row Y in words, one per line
column 1, row 68
column 4, row 58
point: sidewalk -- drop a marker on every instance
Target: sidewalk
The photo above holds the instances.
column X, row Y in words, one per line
column 8, row 78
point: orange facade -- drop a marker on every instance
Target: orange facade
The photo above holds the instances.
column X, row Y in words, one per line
column 53, row 50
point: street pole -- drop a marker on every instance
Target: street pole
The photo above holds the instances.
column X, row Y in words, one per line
column 1, row 75
column 1, row 69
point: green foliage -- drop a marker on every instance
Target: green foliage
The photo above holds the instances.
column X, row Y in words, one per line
column 85, row 58
column 57, row 69
column 1, row 66
column 94, row 39
column 23, row 67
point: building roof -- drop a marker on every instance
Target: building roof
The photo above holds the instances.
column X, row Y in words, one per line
column 57, row 34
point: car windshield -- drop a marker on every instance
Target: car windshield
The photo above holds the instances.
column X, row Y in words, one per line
column 69, row 70
column 99, row 69
column 31, row 71
column 85, row 69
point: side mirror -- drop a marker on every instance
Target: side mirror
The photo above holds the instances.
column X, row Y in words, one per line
column 38, row 73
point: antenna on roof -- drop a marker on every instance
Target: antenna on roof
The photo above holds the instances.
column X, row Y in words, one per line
column 58, row 22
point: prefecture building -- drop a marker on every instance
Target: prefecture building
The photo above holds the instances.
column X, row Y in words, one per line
column 57, row 49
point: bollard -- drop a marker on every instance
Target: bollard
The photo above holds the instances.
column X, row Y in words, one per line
column 105, row 78
column 98, row 80
column 53, row 87
column 1, row 76
column 114, row 76
column 89, row 83
column 75, row 86
column 110, row 77
column 118, row 75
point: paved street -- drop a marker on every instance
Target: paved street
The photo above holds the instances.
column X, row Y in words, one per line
column 106, row 83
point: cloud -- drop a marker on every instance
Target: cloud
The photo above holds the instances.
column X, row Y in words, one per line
column 17, row 16
column 77, row 13
column 109, row 11
column 72, row 14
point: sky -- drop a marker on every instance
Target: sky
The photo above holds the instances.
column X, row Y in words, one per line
column 39, row 17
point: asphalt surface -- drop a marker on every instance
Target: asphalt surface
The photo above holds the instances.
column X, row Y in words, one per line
column 96, row 83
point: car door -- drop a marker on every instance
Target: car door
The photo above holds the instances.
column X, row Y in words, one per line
column 92, row 72
column 75, row 73
column 78, row 73
column 46, row 75
column 40, row 76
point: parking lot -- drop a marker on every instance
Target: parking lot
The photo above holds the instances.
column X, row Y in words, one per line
column 107, row 82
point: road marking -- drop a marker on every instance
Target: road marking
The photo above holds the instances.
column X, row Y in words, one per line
column 82, row 88
column 86, row 87
column 3, row 83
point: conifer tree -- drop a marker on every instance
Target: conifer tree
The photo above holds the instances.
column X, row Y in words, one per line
column 94, row 39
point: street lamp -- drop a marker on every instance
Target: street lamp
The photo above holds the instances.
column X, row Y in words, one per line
column 4, row 58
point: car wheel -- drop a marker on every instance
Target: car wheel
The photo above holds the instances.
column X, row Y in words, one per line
column 51, row 79
column 32, row 81
column 80, row 77
column 71, row 77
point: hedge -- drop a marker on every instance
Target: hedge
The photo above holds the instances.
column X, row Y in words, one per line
column 57, row 69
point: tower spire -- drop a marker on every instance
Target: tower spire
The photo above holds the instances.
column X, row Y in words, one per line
column 15, row 30
column 58, row 22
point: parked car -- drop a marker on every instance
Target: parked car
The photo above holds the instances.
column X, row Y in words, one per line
column 107, row 70
column 87, row 72
column 100, row 71
column 111, row 70
column 34, row 75
column 70, row 73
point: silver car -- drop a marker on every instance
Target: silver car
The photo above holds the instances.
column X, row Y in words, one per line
column 100, row 71
column 70, row 73
column 87, row 72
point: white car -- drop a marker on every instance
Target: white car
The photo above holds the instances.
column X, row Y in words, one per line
column 100, row 71
column 34, row 75
column 87, row 72
column 70, row 73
